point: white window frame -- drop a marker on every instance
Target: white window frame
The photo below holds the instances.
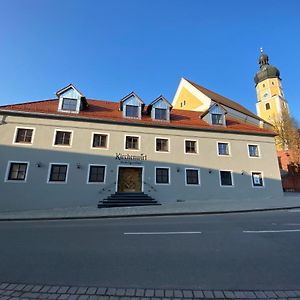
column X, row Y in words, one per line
column 258, row 149
column 8, row 168
column 185, row 177
column 232, row 179
column 129, row 166
column 64, row 130
column 139, row 142
column 107, row 142
column 229, row 149
column 49, row 172
column 262, row 177
column 222, row 116
column 169, row 173
column 162, row 138
column 15, row 135
column 61, row 101
column 188, row 153
column 89, row 170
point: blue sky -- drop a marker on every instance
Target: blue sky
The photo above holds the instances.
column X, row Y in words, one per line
column 110, row 48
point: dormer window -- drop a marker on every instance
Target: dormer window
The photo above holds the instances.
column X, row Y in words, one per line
column 69, row 104
column 132, row 111
column 159, row 109
column 132, row 106
column 215, row 115
column 160, row 113
column 71, row 100
column 217, row 119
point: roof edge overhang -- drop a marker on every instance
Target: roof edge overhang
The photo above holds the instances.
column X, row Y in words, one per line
column 141, row 124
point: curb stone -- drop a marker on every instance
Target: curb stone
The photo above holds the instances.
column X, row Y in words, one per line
column 141, row 215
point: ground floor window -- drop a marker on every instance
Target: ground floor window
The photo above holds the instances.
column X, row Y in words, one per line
column 257, row 179
column 58, row 173
column 17, row 171
column 162, row 176
column 192, row 176
column 226, row 178
column 96, row 174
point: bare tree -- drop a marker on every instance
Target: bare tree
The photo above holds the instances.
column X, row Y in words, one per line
column 288, row 137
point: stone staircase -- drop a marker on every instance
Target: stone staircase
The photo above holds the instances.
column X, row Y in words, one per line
column 127, row 199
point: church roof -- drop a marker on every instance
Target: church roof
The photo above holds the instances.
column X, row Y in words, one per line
column 223, row 100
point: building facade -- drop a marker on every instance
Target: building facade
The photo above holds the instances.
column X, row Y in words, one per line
column 72, row 151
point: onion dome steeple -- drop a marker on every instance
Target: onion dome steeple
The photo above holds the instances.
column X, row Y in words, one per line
column 266, row 70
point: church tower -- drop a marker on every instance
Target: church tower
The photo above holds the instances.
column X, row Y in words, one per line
column 270, row 98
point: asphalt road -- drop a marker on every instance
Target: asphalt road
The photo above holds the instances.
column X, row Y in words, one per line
column 232, row 251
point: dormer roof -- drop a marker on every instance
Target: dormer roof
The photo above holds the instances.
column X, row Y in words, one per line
column 66, row 88
column 212, row 109
column 132, row 94
column 159, row 98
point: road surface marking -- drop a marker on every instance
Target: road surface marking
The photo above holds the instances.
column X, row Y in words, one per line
column 271, row 231
column 166, row 232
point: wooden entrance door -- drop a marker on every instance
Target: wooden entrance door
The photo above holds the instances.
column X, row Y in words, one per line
column 130, row 180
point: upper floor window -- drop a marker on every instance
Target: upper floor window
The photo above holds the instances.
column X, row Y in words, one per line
column 223, row 148
column 132, row 142
column 63, row 138
column 190, row 146
column 17, row 171
column 100, row 140
column 69, row 104
column 217, row 119
column 257, row 179
column 132, row 111
column 268, row 106
column 160, row 114
column 162, row 145
column 253, row 150
column 24, row 135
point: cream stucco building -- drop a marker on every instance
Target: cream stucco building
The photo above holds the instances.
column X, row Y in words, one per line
column 72, row 151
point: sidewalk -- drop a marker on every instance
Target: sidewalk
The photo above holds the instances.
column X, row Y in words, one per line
column 17, row 291
column 288, row 201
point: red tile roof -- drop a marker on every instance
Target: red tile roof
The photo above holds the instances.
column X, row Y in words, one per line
column 109, row 111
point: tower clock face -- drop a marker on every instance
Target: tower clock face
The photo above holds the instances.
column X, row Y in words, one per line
column 265, row 94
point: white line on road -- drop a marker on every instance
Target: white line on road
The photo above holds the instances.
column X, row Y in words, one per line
column 271, row 231
column 166, row 232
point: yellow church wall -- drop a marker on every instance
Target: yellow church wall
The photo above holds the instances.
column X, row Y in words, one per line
column 191, row 101
column 270, row 114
